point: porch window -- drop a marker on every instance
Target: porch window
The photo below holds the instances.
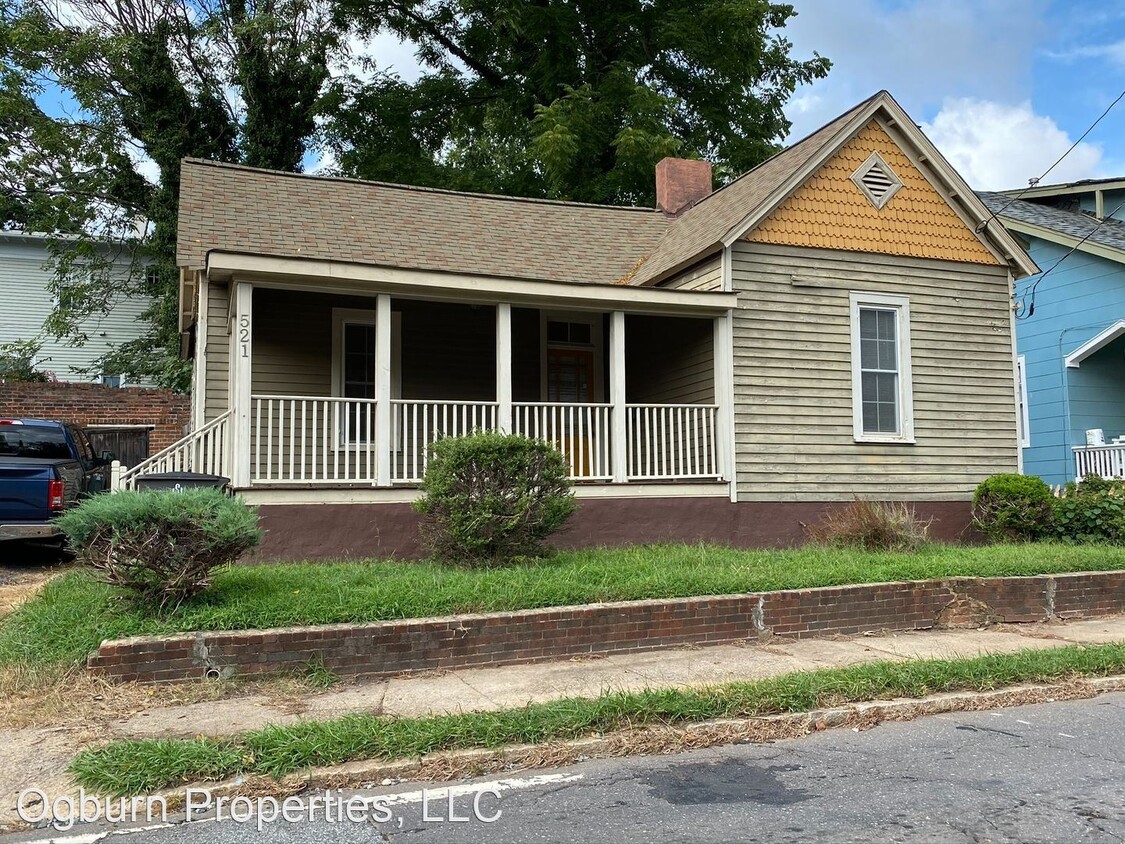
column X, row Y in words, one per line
column 570, row 375
column 353, row 370
column 881, row 388
column 359, row 361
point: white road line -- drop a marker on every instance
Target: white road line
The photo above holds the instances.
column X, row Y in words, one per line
column 399, row 799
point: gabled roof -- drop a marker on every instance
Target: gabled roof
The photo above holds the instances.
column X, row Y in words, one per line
column 1058, row 225
column 702, row 228
column 728, row 213
column 228, row 207
column 1065, row 188
column 231, row 208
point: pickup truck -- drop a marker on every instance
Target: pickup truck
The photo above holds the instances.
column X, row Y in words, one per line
column 45, row 467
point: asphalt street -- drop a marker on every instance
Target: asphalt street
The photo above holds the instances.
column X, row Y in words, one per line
column 1051, row 773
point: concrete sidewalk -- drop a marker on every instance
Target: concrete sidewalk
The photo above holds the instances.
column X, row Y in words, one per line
column 40, row 755
column 517, row 685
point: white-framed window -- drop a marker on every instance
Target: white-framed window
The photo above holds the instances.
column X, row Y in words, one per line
column 882, row 394
column 571, row 356
column 1022, row 417
column 111, row 380
column 354, row 367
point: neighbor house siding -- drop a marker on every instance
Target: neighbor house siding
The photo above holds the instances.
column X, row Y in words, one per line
column 792, row 376
column 217, row 352
column 663, row 372
column 27, row 302
column 1080, row 299
column 706, row 275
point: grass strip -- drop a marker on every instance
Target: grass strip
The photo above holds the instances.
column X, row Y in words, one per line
column 74, row 613
column 143, row 766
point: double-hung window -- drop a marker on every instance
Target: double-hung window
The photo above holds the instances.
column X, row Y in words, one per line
column 881, row 384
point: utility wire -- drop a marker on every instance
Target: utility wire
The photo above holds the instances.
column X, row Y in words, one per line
column 1024, row 313
column 1033, row 182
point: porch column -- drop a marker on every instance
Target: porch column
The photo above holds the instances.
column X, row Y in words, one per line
column 619, row 447
column 383, row 389
column 724, row 398
column 242, row 336
column 504, row 367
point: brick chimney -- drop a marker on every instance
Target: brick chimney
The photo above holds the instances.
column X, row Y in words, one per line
column 680, row 183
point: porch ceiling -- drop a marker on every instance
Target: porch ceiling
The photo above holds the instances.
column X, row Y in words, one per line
column 367, row 280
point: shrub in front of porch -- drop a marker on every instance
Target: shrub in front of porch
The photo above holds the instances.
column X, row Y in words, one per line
column 161, row 546
column 489, row 498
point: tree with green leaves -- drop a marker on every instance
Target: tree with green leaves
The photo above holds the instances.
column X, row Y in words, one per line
column 139, row 85
column 568, row 98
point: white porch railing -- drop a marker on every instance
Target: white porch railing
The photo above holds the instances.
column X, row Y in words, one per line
column 672, row 441
column 1108, row 461
column 415, row 425
column 320, row 440
column 580, row 431
column 205, row 450
column 302, row 440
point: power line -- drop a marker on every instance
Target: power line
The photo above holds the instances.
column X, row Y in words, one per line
column 1033, row 182
column 1024, row 313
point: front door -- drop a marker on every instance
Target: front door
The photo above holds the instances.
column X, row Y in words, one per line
column 570, row 375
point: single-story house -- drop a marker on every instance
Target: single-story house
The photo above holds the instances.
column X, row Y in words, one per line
column 834, row 323
column 1070, row 329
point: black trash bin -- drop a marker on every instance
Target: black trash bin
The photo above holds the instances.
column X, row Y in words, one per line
column 179, row 481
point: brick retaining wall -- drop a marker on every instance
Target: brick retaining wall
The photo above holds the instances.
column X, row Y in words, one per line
column 396, row 647
column 92, row 404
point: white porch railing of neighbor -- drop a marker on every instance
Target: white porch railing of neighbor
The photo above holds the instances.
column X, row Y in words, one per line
column 672, row 441
column 204, row 450
column 417, row 424
column 301, row 440
column 580, row 431
column 1108, row 461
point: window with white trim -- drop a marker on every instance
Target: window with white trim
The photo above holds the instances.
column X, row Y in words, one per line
column 1022, row 416
column 882, row 395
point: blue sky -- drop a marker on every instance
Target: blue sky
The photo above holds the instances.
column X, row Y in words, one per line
column 1003, row 87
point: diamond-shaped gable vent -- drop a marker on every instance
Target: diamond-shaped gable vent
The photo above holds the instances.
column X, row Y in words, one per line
column 877, row 180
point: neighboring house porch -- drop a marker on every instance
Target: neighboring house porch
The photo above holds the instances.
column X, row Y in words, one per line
column 1095, row 375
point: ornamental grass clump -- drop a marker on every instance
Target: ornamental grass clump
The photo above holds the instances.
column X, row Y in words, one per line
column 161, row 546
column 872, row 526
column 491, row 498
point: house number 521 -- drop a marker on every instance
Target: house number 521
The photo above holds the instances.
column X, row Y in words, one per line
column 244, row 334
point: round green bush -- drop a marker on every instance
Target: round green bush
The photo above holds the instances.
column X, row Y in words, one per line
column 491, row 498
column 160, row 545
column 1013, row 508
column 1090, row 511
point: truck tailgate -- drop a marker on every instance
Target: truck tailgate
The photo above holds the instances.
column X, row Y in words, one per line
column 24, row 488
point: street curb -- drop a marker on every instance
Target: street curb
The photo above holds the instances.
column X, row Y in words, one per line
column 642, row 741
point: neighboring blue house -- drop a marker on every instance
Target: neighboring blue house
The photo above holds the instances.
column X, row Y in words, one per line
column 1071, row 347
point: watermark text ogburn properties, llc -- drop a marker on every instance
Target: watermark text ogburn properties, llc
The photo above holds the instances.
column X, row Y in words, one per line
column 441, row 805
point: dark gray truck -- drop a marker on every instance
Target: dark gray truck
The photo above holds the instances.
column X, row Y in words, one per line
column 45, row 467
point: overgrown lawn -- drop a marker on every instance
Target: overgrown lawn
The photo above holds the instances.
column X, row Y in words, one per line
column 74, row 613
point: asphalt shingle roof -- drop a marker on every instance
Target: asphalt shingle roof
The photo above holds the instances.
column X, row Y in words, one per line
column 1110, row 233
column 228, row 207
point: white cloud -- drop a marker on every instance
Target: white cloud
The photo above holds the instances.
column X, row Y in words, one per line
column 1113, row 52
column 996, row 146
column 922, row 51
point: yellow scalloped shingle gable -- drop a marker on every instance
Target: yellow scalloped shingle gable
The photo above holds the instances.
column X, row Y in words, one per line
column 829, row 211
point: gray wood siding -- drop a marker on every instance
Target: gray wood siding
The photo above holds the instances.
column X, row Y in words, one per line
column 792, row 377
column 706, row 275
column 669, row 360
column 293, row 342
column 217, row 352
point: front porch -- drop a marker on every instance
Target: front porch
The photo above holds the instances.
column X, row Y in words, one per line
column 1095, row 402
column 326, row 390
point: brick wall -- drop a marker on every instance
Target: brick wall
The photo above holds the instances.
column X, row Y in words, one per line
column 396, row 647
column 93, row 404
